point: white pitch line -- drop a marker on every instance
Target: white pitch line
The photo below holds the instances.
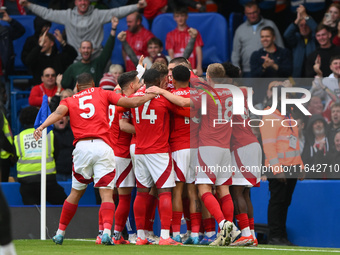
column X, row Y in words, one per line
column 252, row 248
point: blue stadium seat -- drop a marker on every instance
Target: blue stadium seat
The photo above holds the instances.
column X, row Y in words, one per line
column 213, row 29
column 27, row 22
column 235, row 19
column 117, row 57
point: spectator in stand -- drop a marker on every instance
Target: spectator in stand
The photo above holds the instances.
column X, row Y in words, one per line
column 247, row 37
column 63, row 138
column 40, row 26
column 96, row 66
column 271, row 60
column 318, row 61
column 334, row 125
column 92, row 20
column 177, row 40
column 29, row 150
column 334, row 158
column 7, row 35
column 45, row 54
column 154, row 8
column 314, row 105
column 332, row 17
column 316, row 145
column 155, row 47
column 137, row 37
column 300, row 37
column 336, row 38
column 8, row 155
column 47, row 87
column 110, row 79
column 328, row 88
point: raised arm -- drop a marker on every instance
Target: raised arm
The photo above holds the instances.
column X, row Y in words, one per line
column 177, row 100
column 54, row 117
column 134, row 101
column 127, row 48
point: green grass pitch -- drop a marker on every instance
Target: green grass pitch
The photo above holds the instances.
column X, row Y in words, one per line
column 86, row 247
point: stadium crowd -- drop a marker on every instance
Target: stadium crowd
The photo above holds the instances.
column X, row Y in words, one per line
column 147, row 119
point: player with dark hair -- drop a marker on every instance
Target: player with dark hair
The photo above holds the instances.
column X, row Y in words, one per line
column 93, row 155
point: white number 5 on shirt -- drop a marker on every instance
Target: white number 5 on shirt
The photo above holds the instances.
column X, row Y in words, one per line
column 84, row 106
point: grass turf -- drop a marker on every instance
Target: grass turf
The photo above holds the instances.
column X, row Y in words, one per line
column 86, row 247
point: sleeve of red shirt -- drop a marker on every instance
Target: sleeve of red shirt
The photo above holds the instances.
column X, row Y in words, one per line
column 65, row 102
column 36, row 96
column 112, row 96
column 169, row 44
column 199, row 40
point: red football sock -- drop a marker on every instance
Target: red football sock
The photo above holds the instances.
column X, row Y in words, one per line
column 251, row 224
column 196, row 219
column 227, row 206
column 122, row 212
column 242, row 220
column 150, row 212
column 100, row 220
column 165, row 208
column 139, row 209
column 186, row 212
column 149, row 227
column 107, row 212
column 176, row 221
column 201, row 227
column 67, row 214
column 213, row 206
column 209, row 224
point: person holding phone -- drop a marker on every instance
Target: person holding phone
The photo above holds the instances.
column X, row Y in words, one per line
column 332, row 17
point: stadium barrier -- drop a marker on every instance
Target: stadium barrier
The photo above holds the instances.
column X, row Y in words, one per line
column 314, row 208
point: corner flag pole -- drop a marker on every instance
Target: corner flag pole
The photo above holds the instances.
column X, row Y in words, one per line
column 43, row 113
column 43, row 188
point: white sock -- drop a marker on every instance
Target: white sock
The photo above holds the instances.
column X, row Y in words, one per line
column 221, row 224
column 175, row 234
column 150, row 233
column 189, row 232
column 246, row 231
column 8, row 249
column 60, row 232
column 132, row 235
column 117, row 235
column 141, row 234
column 107, row 231
column 210, row 234
column 165, row 233
column 252, row 231
column 194, row 234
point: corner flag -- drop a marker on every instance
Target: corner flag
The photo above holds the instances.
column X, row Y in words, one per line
column 43, row 113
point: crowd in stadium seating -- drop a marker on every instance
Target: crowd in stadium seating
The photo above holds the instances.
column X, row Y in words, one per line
column 283, row 44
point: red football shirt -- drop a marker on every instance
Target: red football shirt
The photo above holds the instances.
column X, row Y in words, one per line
column 178, row 40
column 180, row 126
column 89, row 116
column 152, row 124
column 242, row 134
column 138, row 43
column 212, row 132
column 120, row 139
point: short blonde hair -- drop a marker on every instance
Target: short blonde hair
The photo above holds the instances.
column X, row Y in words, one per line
column 116, row 68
